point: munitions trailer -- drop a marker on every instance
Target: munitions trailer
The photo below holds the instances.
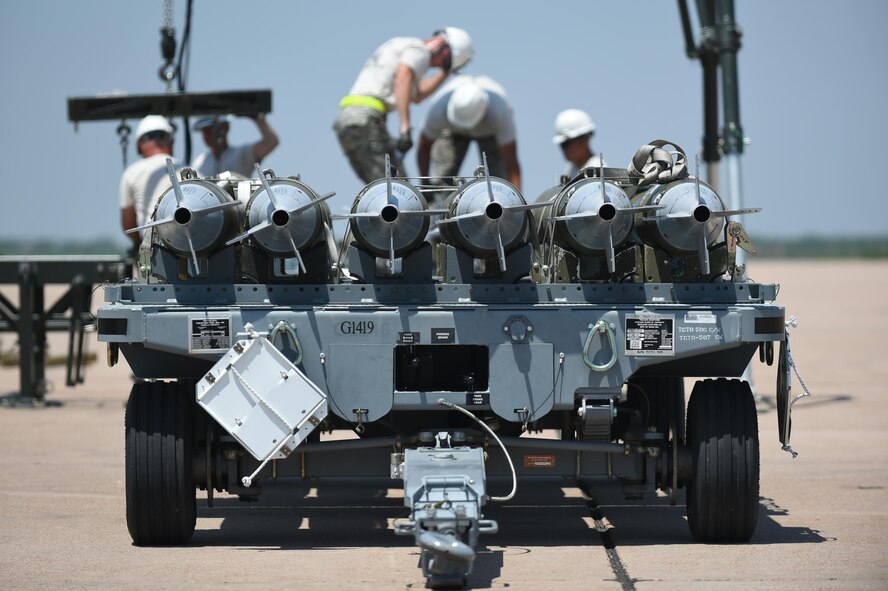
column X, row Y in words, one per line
column 436, row 343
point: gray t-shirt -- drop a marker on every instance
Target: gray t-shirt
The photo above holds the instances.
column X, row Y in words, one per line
column 238, row 159
column 497, row 122
column 142, row 184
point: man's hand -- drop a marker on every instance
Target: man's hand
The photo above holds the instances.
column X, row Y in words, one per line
column 405, row 142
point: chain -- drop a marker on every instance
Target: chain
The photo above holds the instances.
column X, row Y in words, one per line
column 123, row 132
column 795, row 369
column 793, row 322
column 167, row 71
column 167, row 13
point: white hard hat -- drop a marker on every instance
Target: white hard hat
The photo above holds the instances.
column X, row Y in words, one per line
column 570, row 124
column 211, row 120
column 461, row 48
column 153, row 123
column 467, row 105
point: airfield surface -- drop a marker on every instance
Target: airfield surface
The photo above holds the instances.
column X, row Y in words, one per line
column 823, row 520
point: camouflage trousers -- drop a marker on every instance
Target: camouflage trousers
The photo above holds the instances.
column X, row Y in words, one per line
column 365, row 141
column 448, row 153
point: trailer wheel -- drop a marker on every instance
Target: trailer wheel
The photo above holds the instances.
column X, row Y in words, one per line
column 160, row 491
column 723, row 492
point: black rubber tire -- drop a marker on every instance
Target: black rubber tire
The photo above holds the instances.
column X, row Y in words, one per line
column 160, row 491
column 723, row 493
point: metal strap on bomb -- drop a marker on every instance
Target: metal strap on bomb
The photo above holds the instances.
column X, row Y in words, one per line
column 655, row 164
column 692, row 218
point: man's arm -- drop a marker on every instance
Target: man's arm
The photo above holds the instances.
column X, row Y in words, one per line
column 269, row 140
column 423, row 154
column 403, row 86
column 509, row 153
column 127, row 221
column 429, row 85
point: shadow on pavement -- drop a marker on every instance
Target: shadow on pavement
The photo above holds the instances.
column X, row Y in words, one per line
column 292, row 514
column 655, row 522
column 547, row 512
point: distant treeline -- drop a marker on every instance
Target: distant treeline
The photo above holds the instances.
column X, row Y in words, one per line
column 50, row 246
column 811, row 247
column 819, row 247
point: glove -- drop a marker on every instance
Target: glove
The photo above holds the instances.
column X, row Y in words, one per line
column 405, row 142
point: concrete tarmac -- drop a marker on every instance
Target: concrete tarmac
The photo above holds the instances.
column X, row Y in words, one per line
column 823, row 520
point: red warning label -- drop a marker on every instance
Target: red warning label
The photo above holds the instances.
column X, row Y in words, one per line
column 536, row 461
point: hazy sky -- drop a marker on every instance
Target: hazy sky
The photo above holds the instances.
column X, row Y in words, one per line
column 813, row 85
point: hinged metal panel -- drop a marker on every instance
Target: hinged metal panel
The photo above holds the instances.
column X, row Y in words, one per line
column 262, row 399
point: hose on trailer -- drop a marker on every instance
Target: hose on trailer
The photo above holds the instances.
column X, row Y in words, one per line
column 511, row 494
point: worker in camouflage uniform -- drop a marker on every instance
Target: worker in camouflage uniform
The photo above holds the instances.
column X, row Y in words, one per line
column 390, row 80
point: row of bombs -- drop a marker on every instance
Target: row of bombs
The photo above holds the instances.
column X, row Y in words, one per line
column 591, row 215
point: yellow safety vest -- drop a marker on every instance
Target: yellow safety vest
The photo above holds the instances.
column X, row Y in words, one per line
column 360, row 100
